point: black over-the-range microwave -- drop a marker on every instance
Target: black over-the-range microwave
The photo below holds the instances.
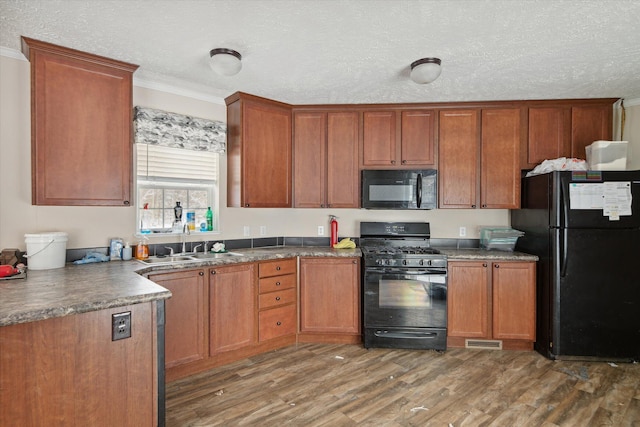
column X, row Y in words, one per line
column 399, row 189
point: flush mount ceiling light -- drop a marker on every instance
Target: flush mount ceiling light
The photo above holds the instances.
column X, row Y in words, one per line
column 425, row 70
column 226, row 62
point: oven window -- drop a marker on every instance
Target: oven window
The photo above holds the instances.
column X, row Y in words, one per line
column 404, row 294
column 390, row 193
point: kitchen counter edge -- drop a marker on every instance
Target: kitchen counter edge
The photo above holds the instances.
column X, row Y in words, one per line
column 75, row 289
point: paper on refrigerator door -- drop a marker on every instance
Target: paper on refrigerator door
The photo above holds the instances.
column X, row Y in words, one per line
column 617, row 199
column 613, row 198
column 586, row 196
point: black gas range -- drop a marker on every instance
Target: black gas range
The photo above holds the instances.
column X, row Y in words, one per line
column 404, row 291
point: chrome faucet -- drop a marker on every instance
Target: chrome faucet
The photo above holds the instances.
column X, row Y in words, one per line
column 195, row 248
column 206, row 248
column 170, row 250
column 183, row 236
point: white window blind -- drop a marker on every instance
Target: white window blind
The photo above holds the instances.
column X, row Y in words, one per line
column 155, row 162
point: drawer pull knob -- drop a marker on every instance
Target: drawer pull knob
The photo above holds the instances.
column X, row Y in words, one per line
column 213, row 272
column 484, row 265
column 277, row 283
column 201, row 273
column 277, row 298
column 278, row 323
column 278, row 268
column 497, row 265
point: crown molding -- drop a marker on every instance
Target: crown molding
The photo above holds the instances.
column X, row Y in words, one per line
column 632, row 102
column 147, row 84
column 163, row 87
column 12, row 53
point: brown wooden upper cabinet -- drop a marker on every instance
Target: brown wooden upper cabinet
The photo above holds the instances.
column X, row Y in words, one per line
column 398, row 139
column 81, row 127
column 500, row 154
column 326, row 159
column 479, row 153
column 588, row 124
column 258, row 152
column 458, row 148
column 565, row 128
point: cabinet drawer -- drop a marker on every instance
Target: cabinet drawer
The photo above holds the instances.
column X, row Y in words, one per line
column 277, row 322
column 273, row 299
column 271, row 284
column 276, row 268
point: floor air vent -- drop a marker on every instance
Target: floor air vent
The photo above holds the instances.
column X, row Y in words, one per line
column 483, row 344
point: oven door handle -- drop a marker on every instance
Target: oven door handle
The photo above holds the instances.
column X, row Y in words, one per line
column 408, row 271
column 407, row 335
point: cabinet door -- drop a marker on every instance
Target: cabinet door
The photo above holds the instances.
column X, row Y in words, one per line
column 418, row 138
column 468, row 299
column 458, row 159
column 500, row 167
column 343, row 184
column 379, row 138
column 310, row 162
column 232, row 307
column 186, row 316
column 259, row 150
column 81, row 140
column 514, row 299
column 330, row 295
column 267, row 156
column 549, row 133
column 590, row 124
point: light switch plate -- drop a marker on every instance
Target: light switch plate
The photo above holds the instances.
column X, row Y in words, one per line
column 246, row 231
column 263, row 230
column 320, row 230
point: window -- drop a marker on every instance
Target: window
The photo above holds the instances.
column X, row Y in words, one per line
column 166, row 175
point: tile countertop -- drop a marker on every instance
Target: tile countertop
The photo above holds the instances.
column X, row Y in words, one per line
column 81, row 288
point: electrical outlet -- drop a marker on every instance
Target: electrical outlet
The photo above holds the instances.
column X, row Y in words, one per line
column 263, row 230
column 320, row 230
column 463, row 231
column 246, row 231
column 120, row 326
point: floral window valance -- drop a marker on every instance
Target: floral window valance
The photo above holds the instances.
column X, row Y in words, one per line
column 157, row 127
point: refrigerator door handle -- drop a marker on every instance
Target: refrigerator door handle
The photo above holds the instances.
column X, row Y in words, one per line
column 565, row 207
column 565, row 251
column 419, row 190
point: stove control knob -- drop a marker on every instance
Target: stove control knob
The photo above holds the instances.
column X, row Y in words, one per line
column 404, row 262
column 421, row 262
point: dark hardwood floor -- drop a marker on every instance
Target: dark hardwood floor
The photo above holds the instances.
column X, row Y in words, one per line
column 347, row 385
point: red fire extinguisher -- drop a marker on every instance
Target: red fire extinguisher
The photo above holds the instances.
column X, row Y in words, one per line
column 334, row 230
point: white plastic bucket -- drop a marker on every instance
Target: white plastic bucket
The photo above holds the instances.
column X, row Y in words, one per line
column 46, row 251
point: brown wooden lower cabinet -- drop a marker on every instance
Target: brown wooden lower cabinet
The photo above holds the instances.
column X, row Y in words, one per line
column 329, row 300
column 278, row 299
column 232, row 307
column 186, row 322
column 215, row 315
column 491, row 301
column 68, row 371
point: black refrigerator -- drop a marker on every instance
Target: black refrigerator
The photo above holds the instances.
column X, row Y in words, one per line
column 585, row 229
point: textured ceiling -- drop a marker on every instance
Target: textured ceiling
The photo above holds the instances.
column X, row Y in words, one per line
column 357, row 51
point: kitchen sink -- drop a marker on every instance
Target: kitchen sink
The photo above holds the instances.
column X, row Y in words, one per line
column 213, row 255
column 167, row 259
column 189, row 257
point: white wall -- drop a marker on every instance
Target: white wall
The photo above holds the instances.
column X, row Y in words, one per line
column 93, row 226
column 632, row 134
